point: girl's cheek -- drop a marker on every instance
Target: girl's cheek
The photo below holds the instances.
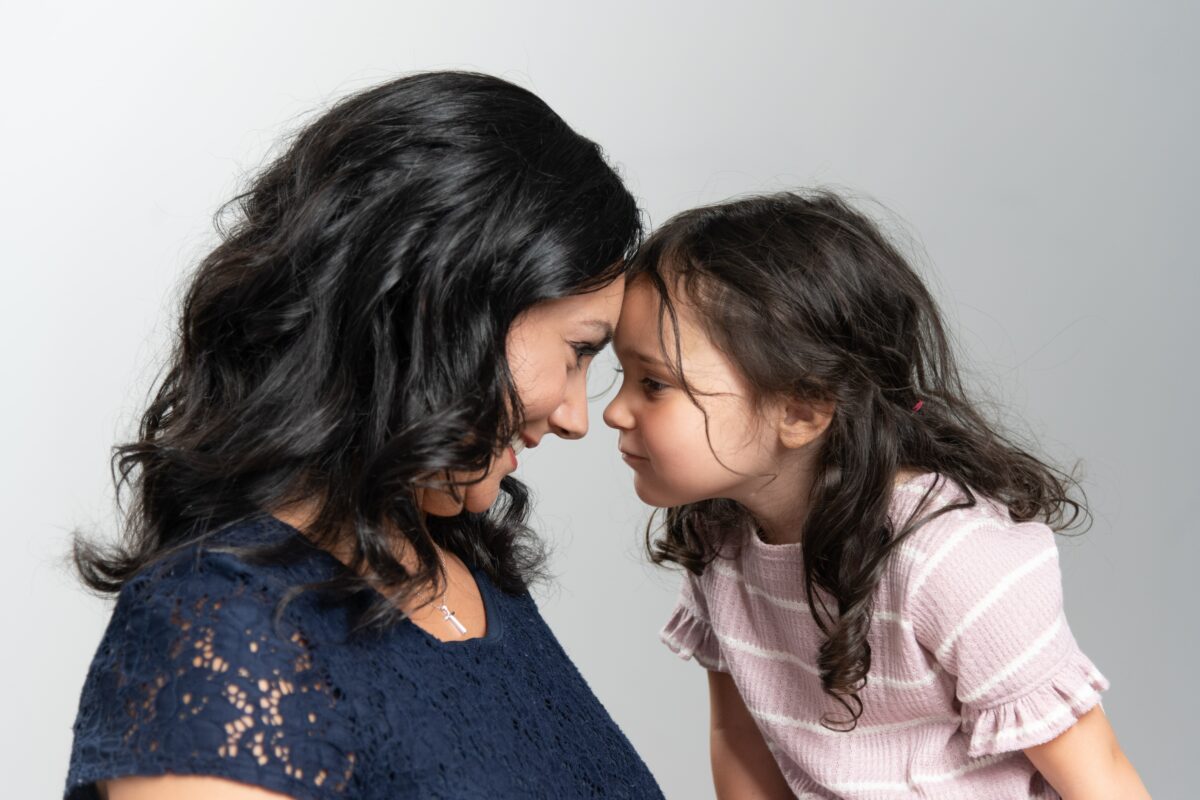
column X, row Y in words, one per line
column 651, row 425
column 668, row 441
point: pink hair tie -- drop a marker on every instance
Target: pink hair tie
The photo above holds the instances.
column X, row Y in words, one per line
column 918, row 406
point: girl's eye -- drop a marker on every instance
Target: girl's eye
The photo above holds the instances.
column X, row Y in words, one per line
column 651, row 386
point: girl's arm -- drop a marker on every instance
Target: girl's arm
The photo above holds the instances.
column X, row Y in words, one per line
column 1087, row 762
column 742, row 766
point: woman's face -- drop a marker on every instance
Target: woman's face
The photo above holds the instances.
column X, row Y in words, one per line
column 550, row 347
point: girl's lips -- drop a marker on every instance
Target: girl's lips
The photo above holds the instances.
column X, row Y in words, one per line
column 631, row 457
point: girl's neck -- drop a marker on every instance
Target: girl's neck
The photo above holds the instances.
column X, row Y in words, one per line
column 781, row 506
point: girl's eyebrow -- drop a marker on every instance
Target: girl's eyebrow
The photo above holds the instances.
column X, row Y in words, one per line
column 633, row 352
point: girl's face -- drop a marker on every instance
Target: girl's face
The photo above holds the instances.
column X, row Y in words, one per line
column 550, row 347
column 663, row 437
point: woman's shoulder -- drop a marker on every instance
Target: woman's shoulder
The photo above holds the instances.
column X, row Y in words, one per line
column 206, row 604
column 209, row 610
column 217, row 557
column 195, row 674
column 217, row 578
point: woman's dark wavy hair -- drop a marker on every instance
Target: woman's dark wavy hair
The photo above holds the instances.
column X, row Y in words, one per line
column 346, row 339
column 808, row 298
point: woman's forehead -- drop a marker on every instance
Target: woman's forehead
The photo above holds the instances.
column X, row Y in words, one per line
column 592, row 313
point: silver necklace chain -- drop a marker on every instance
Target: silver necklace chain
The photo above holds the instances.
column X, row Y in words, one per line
column 447, row 614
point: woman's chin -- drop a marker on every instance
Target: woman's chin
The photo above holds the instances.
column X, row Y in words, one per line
column 479, row 508
column 480, row 498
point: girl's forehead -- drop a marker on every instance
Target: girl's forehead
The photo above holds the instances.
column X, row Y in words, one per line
column 639, row 335
column 640, row 313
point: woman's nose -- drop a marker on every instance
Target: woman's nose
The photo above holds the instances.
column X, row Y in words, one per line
column 570, row 419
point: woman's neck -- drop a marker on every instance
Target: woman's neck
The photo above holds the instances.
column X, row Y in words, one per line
column 302, row 516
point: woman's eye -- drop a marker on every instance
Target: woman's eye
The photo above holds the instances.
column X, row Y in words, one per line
column 583, row 350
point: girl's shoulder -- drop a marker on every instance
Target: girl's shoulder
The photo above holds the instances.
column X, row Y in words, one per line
column 982, row 594
column 950, row 521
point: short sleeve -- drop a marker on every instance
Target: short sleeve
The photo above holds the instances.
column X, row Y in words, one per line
column 192, row 677
column 987, row 603
column 689, row 632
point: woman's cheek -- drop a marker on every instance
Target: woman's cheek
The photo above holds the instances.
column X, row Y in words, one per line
column 539, row 383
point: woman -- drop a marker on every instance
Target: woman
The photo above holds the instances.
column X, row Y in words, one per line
column 319, row 592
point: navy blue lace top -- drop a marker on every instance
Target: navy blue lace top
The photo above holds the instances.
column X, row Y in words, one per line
column 192, row 677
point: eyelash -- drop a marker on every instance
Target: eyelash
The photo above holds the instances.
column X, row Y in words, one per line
column 649, row 385
column 583, row 350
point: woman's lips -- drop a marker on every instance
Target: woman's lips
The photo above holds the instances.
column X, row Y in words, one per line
column 519, row 442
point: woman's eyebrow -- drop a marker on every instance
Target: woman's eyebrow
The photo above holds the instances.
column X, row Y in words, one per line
column 602, row 327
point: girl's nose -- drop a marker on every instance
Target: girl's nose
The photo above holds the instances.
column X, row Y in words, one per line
column 616, row 414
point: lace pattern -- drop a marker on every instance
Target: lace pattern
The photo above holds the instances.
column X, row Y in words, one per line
column 195, row 676
column 229, row 687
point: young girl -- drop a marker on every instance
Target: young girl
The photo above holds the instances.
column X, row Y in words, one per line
column 873, row 582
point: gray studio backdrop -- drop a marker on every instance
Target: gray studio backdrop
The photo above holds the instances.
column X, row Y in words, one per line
column 1041, row 155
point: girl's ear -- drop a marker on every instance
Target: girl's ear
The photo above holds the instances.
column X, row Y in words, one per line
column 803, row 421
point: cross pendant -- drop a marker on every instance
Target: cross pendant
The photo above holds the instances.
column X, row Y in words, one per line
column 448, row 615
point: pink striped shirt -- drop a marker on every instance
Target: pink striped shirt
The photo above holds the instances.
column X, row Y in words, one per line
column 972, row 658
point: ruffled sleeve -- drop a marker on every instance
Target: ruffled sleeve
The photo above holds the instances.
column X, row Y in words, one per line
column 1038, row 716
column 689, row 632
column 987, row 604
column 193, row 677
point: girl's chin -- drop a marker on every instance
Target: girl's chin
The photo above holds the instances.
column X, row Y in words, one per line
column 655, row 496
column 654, row 493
